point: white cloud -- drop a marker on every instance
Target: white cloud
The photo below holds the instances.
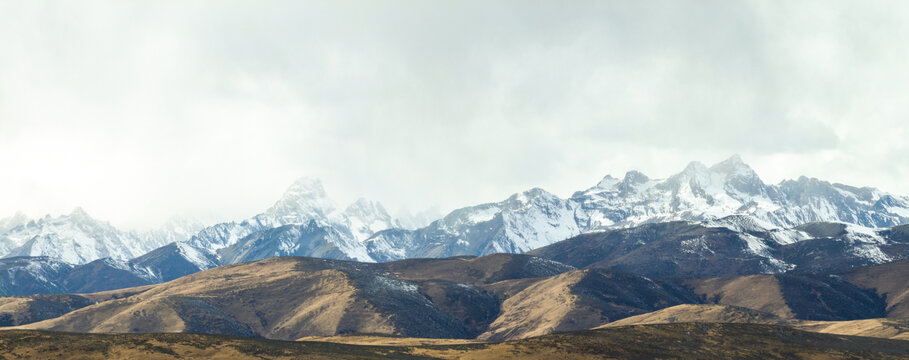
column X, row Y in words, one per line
column 142, row 110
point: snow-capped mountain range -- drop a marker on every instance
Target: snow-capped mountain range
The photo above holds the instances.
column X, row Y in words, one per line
column 305, row 222
column 77, row 238
column 536, row 218
column 732, row 188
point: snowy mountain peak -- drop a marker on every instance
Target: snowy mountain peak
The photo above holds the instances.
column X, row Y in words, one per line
column 18, row 219
column 304, row 200
column 306, row 186
column 635, row 177
column 533, row 194
column 363, row 205
column 79, row 214
column 733, row 166
column 695, row 167
column 608, row 182
column 365, row 217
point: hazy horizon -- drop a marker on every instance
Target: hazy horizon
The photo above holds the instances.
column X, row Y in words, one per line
column 140, row 111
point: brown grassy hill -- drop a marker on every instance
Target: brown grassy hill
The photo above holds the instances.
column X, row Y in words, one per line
column 879, row 328
column 282, row 298
column 659, row 250
column 292, row 297
column 19, row 310
column 890, row 281
column 476, row 270
column 493, row 298
column 677, row 341
column 700, row 313
column 577, row 300
column 287, row 298
column 791, row 296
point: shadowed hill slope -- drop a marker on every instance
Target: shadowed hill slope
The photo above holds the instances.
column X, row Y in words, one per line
column 580, row 299
column 282, row 298
column 806, row 297
column 495, row 297
column 289, row 298
column 890, row 281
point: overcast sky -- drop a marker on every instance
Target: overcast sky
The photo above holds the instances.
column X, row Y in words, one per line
column 139, row 111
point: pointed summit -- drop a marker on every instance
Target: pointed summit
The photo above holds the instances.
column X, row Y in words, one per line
column 733, row 166
column 635, row 177
column 79, row 213
column 734, row 159
column 304, row 200
column 306, row 186
column 695, row 167
column 631, row 180
column 365, row 217
column 607, row 182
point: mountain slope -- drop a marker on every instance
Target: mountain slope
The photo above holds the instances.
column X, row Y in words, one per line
column 708, row 313
column 43, row 275
column 788, row 296
column 288, row 298
column 888, row 281
column 580, row 299
column 729, row 246
column 495, row 297
column 518, row 224
column 880, row 328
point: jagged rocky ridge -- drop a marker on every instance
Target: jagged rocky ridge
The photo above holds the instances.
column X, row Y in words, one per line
column 304, row 222
column 536, row 218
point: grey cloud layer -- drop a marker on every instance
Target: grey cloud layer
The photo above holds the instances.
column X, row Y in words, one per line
column 452, row 102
